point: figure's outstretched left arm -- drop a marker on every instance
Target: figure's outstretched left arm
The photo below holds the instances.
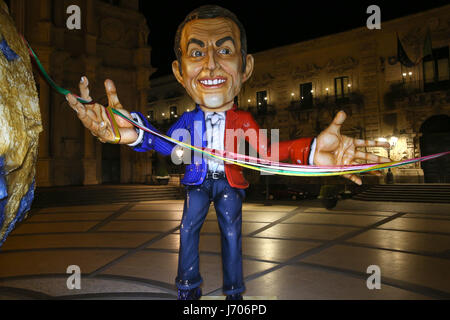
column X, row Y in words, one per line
column 298, row 151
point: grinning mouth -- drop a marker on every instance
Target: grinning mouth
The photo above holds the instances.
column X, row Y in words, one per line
column 212, row 82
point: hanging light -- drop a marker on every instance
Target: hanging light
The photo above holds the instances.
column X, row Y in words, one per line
column 393, row 141
column 179, row 153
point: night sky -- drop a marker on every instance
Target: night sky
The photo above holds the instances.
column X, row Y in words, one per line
column 271, row 24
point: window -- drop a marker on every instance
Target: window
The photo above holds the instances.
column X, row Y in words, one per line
column 173, row 112
column 341, row 88
column 306, row 94
column 261, row 101
column 113, row 2
column 436, row 70
column 151, row 115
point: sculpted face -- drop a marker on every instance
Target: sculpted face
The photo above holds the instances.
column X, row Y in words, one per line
column 211, row 63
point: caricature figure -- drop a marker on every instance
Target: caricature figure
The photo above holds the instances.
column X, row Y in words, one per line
column 212, row 64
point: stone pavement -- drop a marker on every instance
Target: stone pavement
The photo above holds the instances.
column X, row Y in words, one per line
column 292, row 250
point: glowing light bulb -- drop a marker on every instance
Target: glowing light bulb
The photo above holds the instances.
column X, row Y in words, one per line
column 180, row 153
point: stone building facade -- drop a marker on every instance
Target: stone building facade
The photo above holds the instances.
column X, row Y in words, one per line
column 300, row 87
column 112, row 43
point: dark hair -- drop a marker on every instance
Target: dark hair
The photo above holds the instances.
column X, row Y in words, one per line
column 211, row 12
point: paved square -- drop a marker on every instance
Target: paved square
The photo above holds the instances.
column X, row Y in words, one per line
column 297, row 250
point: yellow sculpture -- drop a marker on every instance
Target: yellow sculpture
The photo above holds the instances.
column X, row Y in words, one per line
column 20, row 125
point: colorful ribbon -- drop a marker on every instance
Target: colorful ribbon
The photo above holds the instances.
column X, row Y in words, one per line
column 258, row 164
column 109, row 109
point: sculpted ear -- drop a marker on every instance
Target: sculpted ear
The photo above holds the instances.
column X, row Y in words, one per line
column 176, row 72
column 248, row 67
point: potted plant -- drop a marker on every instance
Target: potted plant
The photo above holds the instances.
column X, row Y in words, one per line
column 329, row 196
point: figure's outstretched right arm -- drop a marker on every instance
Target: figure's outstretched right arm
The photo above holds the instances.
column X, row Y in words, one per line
column 94, row 118
column 148, row 141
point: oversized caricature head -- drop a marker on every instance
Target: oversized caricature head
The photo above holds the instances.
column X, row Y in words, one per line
column 212, row 61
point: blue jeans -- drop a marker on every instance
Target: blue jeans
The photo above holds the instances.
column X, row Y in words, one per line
column 228, row 205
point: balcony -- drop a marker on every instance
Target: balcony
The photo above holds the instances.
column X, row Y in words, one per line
column 404, row 94
column 351, row 103
column 261, row 114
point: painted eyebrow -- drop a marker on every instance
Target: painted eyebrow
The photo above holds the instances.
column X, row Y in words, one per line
column 221, row 41
column 196, row 41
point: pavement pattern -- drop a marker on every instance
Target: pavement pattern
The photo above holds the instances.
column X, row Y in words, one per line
column 292, row 250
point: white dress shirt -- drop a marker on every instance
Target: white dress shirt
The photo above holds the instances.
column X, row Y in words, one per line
column 215, row 134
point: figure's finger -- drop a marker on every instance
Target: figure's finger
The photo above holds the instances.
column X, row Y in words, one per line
column 353, row 178
column 371, row 143
column 338, row 120
column 76, row 105
column 370, row 157
column 84, row 89
column 104, row 132
column 86, row 116
column 111, row 93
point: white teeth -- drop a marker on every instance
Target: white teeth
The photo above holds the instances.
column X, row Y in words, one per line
column 212, row 82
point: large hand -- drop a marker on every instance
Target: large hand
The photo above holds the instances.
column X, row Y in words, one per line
column 334, row 149
column 95, row 119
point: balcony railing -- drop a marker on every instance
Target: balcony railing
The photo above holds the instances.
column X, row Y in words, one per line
column 262, row 112
column 349, row 103
column 413, row 94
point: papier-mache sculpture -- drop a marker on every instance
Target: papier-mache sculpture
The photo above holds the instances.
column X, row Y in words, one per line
column 20, row 125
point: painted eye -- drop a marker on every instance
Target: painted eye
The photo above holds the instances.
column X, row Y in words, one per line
column 225, row 51
column 196, row 54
